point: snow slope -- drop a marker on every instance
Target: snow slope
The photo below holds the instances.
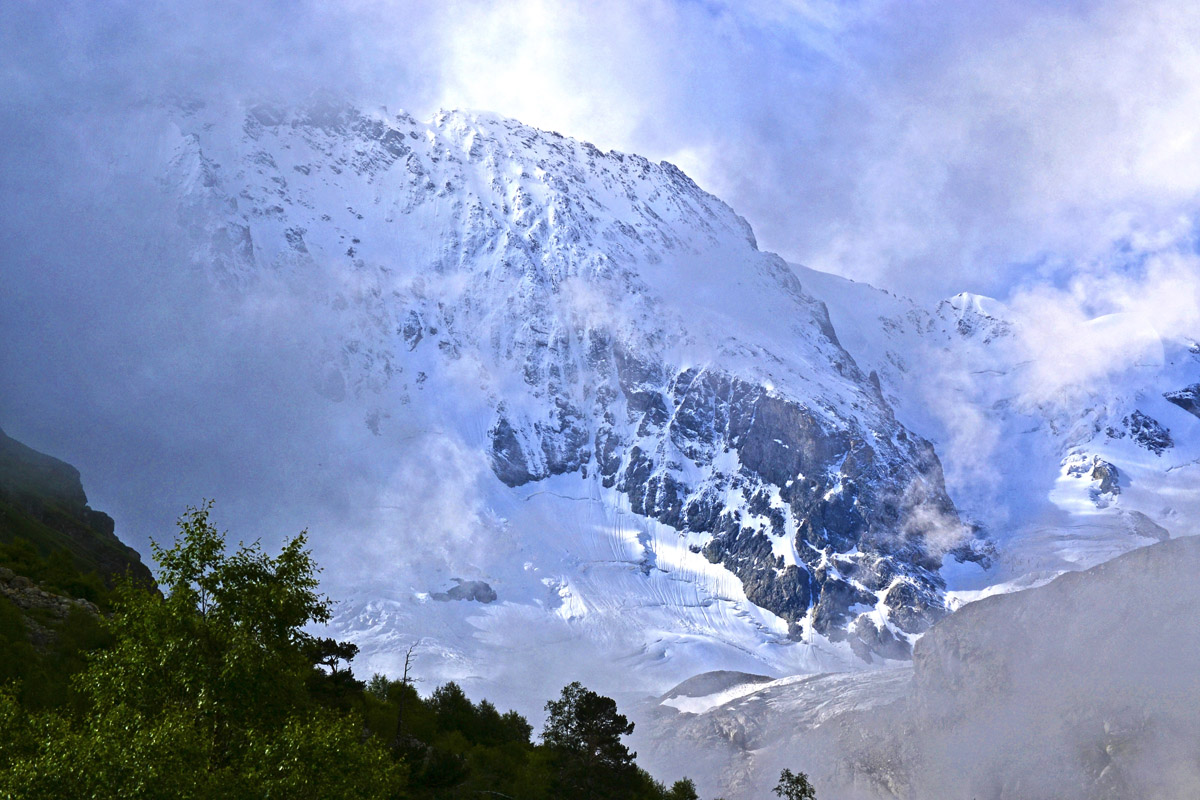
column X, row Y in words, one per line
column 622, row 425
column 1027, row 431
column 611, row 432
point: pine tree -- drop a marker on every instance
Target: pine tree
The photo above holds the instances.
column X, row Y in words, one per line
column 584, row 730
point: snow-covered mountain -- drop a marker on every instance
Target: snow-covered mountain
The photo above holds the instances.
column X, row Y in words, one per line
column 1068, row 441
column 602, row 329
column 669, row 450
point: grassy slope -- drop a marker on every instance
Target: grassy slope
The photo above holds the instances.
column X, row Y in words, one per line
column 42, row 501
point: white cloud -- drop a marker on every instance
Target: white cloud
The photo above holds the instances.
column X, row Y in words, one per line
column 927, row 147
column 587, row 70
column 1080, row 337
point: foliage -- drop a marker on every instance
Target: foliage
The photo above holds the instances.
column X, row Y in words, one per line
column 682, row 789
column 794, row 786
column 204, row 692
column 228, row 636
column 42, row 673
column 584, row 730
column 214, row 689
column 55, row 572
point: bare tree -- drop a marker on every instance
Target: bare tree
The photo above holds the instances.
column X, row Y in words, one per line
column 405, row 681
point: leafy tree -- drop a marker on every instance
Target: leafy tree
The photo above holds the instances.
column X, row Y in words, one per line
column 683, row 789
column 584, row 730
column 203, row 692
column 227, row 640
column 214, row 690
column 337, row 688
column 454, row 710
column 794, row 786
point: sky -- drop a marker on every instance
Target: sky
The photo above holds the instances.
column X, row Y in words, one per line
column 926, row 147
column 1043, row 153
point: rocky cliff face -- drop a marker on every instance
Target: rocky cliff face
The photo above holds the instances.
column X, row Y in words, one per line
column 616, row 322
column 42, row 501
column 708, row 453
column 1187, row 398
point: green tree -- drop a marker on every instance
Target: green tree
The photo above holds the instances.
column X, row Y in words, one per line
column 794, row 786
column 584, row 730
column 227, row 639
column 682, row 789
column 204, row 691
column 213, row 690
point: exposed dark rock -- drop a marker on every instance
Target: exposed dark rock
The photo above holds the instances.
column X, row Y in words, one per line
column 801, row 476
column 777, row 440
column 1108, row 476
column 508, row 457
column 412, row 330
column 913, row 608
column 640, row 381
column 1146, row 431
column 42, row 500
column 835, row 607
column 866, row 640
column 1105, row 475
column 564, row 439
column 1188, row 399
column 478, row 591
column 608, row 455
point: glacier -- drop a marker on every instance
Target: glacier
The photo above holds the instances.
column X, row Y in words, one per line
column 646, row 448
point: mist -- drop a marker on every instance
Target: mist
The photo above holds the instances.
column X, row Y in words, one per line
column 926, row 148
column 1083, row 688
column 1042, row 153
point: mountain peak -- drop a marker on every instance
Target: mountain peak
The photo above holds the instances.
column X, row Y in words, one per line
column 599, row 320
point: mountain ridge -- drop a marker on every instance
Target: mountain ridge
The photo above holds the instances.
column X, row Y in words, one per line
column 42, row 501
column 615, row 321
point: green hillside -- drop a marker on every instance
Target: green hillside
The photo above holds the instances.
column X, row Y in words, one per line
column 43, row 503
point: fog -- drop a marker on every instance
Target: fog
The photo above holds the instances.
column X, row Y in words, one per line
column 1084, row 688
column 1043, row 153
column 926, row 147
column 1079, row 689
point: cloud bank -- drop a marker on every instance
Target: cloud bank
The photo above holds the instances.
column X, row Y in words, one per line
column 928, row 147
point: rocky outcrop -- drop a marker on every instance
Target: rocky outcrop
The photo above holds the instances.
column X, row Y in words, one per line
column 1146, row 431
column 1107, row 477
column 1187, row 398
column 1104, row 476
column 42, row 501
column 709, row 453
column 43, row 611
column 478, row 591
